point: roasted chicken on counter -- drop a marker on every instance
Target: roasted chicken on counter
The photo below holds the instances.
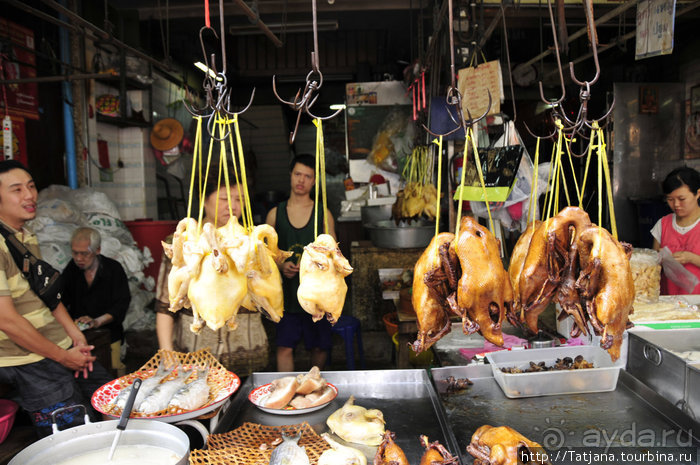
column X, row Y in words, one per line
column 322, row 272
column 340, row 454
column 503, row 445
column 484, row 292
column 606, row 286
column 434, row 279
column 546, row 261
column 354, row 423
column 389, row 453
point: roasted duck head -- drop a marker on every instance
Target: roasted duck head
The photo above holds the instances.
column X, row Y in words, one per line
column 606, row 286
column 322, row 272
column 545, row 262
column 503, row 445
column 484, row 291
column 434, row 279
column 435, row 453
column 389, row 453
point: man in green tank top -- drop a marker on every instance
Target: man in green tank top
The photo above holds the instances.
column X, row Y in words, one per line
column 294, row 222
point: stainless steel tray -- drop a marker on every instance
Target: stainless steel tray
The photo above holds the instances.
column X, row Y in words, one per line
column 407, row 398
column 574, row 420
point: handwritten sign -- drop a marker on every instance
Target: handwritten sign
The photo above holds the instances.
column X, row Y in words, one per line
column 655, row 25
column 473, row 83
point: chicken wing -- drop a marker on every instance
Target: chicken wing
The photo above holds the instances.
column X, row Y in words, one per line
column 484, row 291
column 606, row 286
column 322, row 272
column 430, row 290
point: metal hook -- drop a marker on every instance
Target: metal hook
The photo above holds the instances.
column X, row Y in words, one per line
column 559, row 68
column 593, row 37
column 510, row 73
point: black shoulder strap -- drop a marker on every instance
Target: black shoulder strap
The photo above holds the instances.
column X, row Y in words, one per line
column 19, row 252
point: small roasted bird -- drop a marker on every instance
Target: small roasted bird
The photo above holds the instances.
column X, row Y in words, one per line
column 435, row 453
column 389, row 453
column 434, row 279
column 353, row 423
column 503, row 445
column 322, row 272
column 606, row 286
column 517, row 262
column 484, row 292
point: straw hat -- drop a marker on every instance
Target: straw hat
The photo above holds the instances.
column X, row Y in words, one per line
column 166, row 134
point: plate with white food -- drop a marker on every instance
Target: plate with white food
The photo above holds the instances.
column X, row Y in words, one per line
column 294, row 395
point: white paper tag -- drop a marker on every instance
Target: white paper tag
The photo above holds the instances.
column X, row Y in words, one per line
column 7, row 137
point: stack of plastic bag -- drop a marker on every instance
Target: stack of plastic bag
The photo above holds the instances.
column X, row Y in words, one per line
column 60, row 210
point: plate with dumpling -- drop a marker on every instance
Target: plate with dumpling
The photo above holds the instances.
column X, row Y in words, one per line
column 294, row 395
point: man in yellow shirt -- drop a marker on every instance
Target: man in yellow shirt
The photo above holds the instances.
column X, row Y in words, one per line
column 40, row 349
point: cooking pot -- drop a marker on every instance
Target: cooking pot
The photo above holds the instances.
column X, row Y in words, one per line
column 89, row 437
column 414, row 235
column 373, row 213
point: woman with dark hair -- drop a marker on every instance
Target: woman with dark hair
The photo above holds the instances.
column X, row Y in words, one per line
column 680, row 230
column 243, row 350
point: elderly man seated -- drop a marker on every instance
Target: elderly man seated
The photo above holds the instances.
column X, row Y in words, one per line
column 96, row 290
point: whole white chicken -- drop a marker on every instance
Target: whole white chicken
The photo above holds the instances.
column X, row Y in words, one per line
column 340, row 454
column 217, row 291
column 186, row 257
column 322, row 272
column 357, row 424
column 264, row 278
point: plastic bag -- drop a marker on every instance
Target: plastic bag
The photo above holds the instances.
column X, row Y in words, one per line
column 90, row 200
column 56, row 254
column 392, row 139
column 646, row 273
column 676, row 272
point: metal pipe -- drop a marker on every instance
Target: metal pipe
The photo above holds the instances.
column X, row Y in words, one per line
column 41, row 15
column 68, row 126
column 62, row 77
column 603, row 19
column 254, row 17
column 104, row 35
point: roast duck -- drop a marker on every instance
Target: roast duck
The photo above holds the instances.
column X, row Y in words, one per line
column 580, row 266
column 464, row 276
column 217, row 270
column 566, row 259
column 503, row 445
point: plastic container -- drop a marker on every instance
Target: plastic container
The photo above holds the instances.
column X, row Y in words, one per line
column 391, row 323
column 8, row 409
column 601, row 378
column 149, row 233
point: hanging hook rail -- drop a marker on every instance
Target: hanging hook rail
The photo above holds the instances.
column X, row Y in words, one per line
column 454, row 97
column 304, row 100
column 215, row 83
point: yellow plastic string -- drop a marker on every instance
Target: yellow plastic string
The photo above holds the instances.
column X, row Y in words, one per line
column 196, row 153
column 602, row 150
column 320, row 177
column 554, row 178
column 563, row 179
column 533, row 190
column 239, row 187
column 483, row 183
column 548, row 193
column 438, row 141
column 244, row 176
column 573, row 174
column 203, row 185
column 461, row 181
column 585, row 171
column 600, row 189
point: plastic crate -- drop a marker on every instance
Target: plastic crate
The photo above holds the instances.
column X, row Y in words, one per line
column 8, row 409
column 601, row 378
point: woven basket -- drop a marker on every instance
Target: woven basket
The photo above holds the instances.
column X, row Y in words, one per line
column 218, row 379
column 242, row 446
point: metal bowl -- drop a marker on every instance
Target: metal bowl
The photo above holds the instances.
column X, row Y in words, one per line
column 386, row 234
column 374, row 213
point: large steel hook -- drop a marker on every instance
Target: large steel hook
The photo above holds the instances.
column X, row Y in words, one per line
column 304, row 100
column 559, row 68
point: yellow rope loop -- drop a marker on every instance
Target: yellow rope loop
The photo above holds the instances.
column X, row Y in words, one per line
column 196, row 154
column 467, row 136
column 477, row 161
column 203, row 185
column 438, row 141
column 585, row 171
column 316, row 177
column 248, row 211
column 322, row 151
column 606, row 170
column 533, row 189
column 573, row 175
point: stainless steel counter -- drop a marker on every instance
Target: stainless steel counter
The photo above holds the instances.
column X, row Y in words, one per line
column 631, row 415
column 407, row 398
